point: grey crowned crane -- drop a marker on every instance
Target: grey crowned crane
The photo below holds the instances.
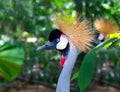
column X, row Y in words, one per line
column 72, row 36
column 106, row 28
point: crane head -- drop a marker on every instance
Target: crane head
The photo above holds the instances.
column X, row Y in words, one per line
column 105, row 28
column 58, row 41
column 72, row 32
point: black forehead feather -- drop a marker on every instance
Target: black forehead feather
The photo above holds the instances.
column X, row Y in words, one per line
column 54, row 34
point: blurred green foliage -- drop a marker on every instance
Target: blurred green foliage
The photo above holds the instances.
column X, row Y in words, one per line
column 11, row 60
column 93, row 9
column 30, row 22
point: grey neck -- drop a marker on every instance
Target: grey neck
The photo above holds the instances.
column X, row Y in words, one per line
column 64, row 79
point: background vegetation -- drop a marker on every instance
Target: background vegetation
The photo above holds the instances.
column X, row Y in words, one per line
column 27, row 23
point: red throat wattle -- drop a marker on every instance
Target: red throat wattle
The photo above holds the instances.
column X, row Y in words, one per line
column 62, row 60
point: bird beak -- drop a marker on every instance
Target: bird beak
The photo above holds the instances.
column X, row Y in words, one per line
column 47, row 46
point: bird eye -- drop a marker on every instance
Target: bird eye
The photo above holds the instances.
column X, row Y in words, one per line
column 57, row 40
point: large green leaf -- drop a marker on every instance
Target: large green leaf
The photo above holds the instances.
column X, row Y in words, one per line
column 86, row 70
column 11, row 60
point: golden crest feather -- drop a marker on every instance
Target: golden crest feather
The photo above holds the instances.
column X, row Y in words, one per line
column 77, row 32
column 105, row 26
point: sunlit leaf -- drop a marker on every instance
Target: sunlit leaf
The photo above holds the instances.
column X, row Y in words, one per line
column 108, row 44
column 116, row 43
column 106, row 5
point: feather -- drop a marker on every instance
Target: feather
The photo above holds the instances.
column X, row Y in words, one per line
column 78, row 32
column 105, row 26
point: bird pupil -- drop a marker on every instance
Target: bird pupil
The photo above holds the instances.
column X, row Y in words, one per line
column 57, row 40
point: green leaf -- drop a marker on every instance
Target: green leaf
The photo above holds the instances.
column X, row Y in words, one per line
column 102, row 44
column 11, row 60
column 86, row 70
column 116, row 43
column 88, row 64
column 106, row 6
column 75, row 76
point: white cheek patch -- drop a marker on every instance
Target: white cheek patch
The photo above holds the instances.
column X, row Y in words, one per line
column 101, row 37
column 63, row 42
